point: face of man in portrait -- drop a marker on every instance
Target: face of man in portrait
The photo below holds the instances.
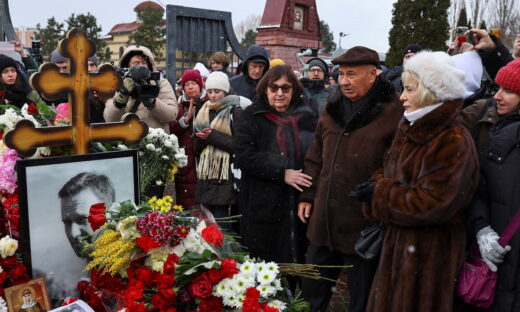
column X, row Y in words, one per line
column 298, row 17
column 74, row 213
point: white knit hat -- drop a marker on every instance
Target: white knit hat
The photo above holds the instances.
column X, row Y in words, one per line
column 438, row 73
column 218, row 80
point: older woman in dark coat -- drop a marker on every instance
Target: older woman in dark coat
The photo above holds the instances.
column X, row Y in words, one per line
column 270, row 140
column 498, row 197
column 429, row 176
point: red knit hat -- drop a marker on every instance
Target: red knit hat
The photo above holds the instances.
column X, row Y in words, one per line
column 509, row 76
column 193, row 75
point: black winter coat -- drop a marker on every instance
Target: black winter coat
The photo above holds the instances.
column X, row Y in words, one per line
column 269, row 225
column 242, row 84
column 497, row 201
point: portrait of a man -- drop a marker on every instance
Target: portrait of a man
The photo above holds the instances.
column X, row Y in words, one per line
column 298, row 17
column 77, row 195
column 58, row 199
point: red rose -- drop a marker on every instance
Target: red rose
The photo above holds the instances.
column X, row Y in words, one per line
column 214, row 276
column 201, row 287
column 212, row 304
column 136, row 307
column 212, row 235
column 96, row 216
column 18, row 272
column 147, row 243
column 32, row 109
column 228, row 268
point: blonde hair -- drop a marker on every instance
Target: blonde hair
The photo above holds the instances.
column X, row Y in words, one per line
column 426, row 96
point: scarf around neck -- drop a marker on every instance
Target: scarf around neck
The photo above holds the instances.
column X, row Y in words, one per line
column 214, row 162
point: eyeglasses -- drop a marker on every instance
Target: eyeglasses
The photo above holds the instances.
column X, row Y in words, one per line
column 317, row 70
column 285, row 88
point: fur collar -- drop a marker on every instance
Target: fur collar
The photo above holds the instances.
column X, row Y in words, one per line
column 431, row 124
column 381, row 92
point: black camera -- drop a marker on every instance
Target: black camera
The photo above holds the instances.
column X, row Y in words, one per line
column 142, row 76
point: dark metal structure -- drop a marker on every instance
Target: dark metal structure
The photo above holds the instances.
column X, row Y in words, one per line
column 6, row 25
column 194, row 34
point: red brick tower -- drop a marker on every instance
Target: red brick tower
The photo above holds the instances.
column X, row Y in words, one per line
column 288, row 26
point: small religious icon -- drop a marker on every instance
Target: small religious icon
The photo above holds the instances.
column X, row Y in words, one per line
column 298, row 18
column 28, row 297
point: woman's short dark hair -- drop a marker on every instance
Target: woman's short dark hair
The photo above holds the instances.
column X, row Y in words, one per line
column 275, row 73
column 219, row 58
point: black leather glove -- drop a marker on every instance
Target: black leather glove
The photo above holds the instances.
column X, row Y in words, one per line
column 363, row 192
column 147, row 94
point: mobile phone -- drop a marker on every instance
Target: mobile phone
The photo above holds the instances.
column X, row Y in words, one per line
column 461, row 38
column 471, row 38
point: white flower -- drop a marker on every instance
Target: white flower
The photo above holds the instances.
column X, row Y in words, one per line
column 272, row 267
column 193, row 242
column 150, row 147
column 277, row 284
column 179, row 250
column 220, row 290
column 241, row 283
column 3, row 305
column 158, row 150
column 159, row 182
column 127, row 228
column 122, row 147
column 248, row 268
column 265, row 277
column 157, row 257
column 281, row 306
column 266, row 290
column 1, row 269
column 8, row 246
column 165, row 157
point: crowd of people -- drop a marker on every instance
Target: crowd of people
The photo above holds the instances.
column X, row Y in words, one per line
column 427, row 148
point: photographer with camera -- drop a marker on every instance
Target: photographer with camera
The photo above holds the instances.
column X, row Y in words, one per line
column 143, row 91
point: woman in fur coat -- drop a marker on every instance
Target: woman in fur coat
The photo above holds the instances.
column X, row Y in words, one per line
column 429, row 176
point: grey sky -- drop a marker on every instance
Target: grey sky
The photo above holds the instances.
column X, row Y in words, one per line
column 366, row 21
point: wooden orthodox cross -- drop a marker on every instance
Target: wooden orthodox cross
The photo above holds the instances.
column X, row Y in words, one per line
column 25, row 138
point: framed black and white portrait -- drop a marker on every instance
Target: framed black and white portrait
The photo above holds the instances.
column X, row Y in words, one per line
column 55, row 197
column 299, row 15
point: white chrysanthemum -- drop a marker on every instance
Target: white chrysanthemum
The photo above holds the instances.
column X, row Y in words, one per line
column 248, row 268
column 277, row 284
column 150, row 147
column 41, row 151
column 165, row 157
column 241, row 283
column 265, row 277
column 168, row 143
column 219, row 290
column 281, row 306
column 122, row 147
column 272, row 267
column 158, row 182
column 266, row 290
column 192, row 242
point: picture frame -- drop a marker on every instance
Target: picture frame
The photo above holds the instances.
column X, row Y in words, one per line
column 55, row 195
column 30, row 295
column 299, row 17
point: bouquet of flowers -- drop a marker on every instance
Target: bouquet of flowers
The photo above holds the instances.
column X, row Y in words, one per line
column 160, row 156
column 155, row 257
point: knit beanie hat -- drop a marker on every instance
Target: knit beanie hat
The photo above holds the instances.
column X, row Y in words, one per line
column 509, row 76
column 56, row 57
column 204, row 72
column 94, row 59
column 438, row 73
column 275, row 62
column 412, row 48
column 218, row 80
column 6, row 61
column 318, row 62
column 193, row 75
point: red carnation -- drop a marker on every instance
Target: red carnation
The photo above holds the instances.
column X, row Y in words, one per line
column 213, row 235
column 3, row 277
column 228, row 268
column 169, row 264
column 144, row 274
column 214, row 276
column 201, row 287
column 136, row 306
column 211, row 304
column 32, row 109
column 96, row 216
column 147, row 243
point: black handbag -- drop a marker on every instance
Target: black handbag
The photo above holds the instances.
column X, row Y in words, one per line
column 368, row 245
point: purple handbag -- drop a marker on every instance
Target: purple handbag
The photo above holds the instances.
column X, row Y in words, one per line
column 477, row 283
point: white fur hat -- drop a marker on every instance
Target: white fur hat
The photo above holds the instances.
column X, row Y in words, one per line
column 438, row 73
column 218, row 80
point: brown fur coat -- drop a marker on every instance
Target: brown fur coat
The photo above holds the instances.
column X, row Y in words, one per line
column 429, row 176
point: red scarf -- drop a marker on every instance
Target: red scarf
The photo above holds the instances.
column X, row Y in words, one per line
column 289, row 122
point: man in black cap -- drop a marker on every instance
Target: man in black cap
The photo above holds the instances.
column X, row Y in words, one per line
column 353, row 132
column 317, row 83
column 255, row 66
column 394, row 73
